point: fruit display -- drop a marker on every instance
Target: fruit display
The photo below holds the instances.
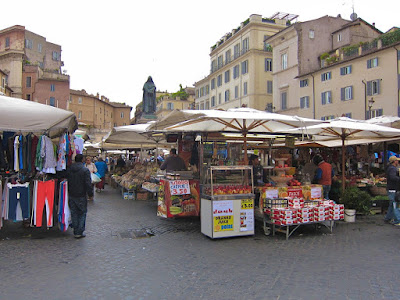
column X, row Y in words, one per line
column 137, row 175
column 151, row 187
column 293, row 182
column 228, row 189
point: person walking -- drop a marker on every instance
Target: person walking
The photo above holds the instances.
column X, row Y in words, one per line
column 79, row 187
column 102, row 169
column 323, row 174
column 393, row 182
column 92, row 168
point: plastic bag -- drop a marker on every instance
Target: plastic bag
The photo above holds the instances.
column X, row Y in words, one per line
column 95, row 178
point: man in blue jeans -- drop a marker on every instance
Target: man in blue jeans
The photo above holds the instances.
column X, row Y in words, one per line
column 393, row 181
column 79, row 187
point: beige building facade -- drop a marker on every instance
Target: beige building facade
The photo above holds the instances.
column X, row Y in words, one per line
column 98, row 112
column 4, row 89
column 331, row 67
column 166, row 103
column 33, row 67
column 241, row 67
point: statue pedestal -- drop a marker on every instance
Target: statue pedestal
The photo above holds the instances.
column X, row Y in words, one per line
column 144, row 118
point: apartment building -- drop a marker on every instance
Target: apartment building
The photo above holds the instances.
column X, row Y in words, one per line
column 331, row 67
column 98, row 112
column 33, row 67
column 242, row 66
column 168, row 102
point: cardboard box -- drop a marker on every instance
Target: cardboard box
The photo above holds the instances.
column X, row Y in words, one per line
column 143, row 196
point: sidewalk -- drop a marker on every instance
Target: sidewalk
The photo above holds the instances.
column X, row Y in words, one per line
column 356, row 261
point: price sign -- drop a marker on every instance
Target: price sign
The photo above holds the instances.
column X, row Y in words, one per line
column 295, row 192
column 247, row 204
column 179, row 187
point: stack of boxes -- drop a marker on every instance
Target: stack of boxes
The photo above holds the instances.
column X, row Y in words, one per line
column 299, row 212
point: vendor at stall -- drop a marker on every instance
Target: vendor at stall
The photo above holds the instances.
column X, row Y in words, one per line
column 173, row 162
column 257, row 170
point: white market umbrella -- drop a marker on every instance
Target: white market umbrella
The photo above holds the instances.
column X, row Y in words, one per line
column 391, row 121
column 28, row 116
column 345, row 129
column 242, row 120
column 174, row 117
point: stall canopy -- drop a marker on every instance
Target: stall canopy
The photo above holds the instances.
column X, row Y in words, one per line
column 242, row 120
column 27, row 116
column 130, row 134
column 346, row 129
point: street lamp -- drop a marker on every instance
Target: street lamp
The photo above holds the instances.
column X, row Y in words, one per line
column 370, row 104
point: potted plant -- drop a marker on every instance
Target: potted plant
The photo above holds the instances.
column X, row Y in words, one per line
column 355, row 200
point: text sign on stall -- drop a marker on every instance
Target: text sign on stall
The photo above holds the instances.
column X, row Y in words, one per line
column 179, row 187
column 295, row 192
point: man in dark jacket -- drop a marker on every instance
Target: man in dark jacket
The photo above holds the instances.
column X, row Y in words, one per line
column 393, row 181
column 79, row 187
column 173, row 162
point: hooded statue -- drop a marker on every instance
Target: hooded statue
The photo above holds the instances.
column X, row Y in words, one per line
column 149, row 96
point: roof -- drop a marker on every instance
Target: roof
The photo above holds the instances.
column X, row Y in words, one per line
column 356, row 22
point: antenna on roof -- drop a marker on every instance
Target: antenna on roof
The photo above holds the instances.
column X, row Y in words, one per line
column 353, row 16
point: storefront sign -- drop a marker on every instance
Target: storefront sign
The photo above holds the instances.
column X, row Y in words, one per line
column 295, row 192
column 179, row 187
column 247, row 204
column 271, row 193
column 223, row 215
column 316, row 192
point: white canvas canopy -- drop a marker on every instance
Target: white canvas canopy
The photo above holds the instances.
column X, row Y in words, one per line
column 27, row 116
column 130, row 134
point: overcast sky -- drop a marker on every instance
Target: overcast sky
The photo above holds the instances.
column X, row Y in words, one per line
column 111, row 47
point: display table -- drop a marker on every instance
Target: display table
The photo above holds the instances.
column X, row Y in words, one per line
column 178, row 198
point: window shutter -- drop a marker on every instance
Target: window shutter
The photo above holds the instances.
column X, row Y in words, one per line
column 343, row 94
column 351, row 92
column 380, row 112
column 307, row 101
column 349, row 69
column 302, row 102
column 368, row 64
column 329, row 97
column 369, row 88
column 378, row 86
column 322, row 77
column 323, row 100
column 342, row 72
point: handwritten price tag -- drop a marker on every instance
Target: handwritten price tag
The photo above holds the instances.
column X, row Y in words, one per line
column 179, row 187
column 247, row 204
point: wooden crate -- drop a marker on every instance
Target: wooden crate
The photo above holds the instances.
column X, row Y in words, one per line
column 143, row 195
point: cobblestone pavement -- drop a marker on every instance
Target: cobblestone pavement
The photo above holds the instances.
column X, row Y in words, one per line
column 357, row 261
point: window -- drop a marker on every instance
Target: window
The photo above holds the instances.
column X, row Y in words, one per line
column 347, row 115
column 213, row 83
column 236, row 51
column 219, row 98
column 245, row 67
column 269, row 87
column 28, row 81
column 52, row 87
column 170, row 106
column 227, row 95
column 245, row 45
column 212, row 101
column 80, row 115
column 236, row 71
column 220, row 61
column 207, row 105
column 372, row 63
column 346, row 93
column 245, row 89
column 311, row 33
column 375, row 113
column 326, row 97
column 39, row 48
column 52, row 101
column 305, row 102
column 326, row 76
column 268, row 65
column 56, row 55
column 227, row 76
column 80, row 100
column 339, row 37
column 28, row 44
column 122, row 114
column 303, row 83
column 213, row 65
column 207, row 89
column 284, row 100
column 284, row 61
column 325, row 118
column 7, row 42
column 345, row 70
column 228, row 56
column 201, row 106
column 373, row 87
column 28, row 97
column 115, row 124
column 219, row 80
column 236, row 92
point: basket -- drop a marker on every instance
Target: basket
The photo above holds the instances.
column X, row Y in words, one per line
column 378, row 190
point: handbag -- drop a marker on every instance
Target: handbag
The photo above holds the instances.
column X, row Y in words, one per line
column 95, row 178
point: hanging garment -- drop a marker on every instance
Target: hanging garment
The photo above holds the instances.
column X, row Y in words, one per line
column 16, row 154
column 64, row 214
column 18, row 193
column 1, row 204
column 61, row 153
column 79, row 145
column 35, row 141
column 44, row 198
